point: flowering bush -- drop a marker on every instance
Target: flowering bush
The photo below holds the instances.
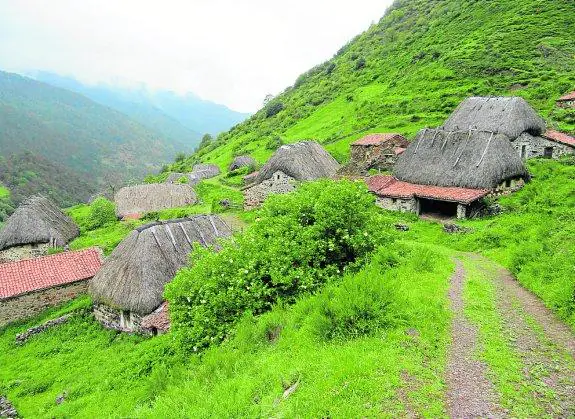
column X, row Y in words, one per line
column 299, row 242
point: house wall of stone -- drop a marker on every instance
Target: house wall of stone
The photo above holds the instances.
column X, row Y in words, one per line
column 28, row 251
column 33, row 303
column 566, row 104
column 111, row 318
column 373, row 157
column 398, row 204
column 511, row 185
column 529, row 147
column 279, row 183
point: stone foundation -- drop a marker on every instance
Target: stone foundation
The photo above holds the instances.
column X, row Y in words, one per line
column 111, row 318
column 398, row 204
column 29, row 251
column 33, row 303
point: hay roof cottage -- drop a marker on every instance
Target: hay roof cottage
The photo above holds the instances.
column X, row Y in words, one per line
column 242, row 161
column 449, row 172
column 28, row 287
column 512, row 117
column 130, row 285
column 36, row 226
column 375, row 151
column 290, row 164
column 140, row 199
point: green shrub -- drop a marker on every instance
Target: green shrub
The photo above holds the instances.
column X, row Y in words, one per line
column 300, row 241
column 274, row 108
column 102, row 212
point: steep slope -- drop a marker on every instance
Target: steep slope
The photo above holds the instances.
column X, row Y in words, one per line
column 73, row 131
column 412, row 68
column 178, row 116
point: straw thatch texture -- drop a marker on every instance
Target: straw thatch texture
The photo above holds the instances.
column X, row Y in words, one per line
column 140, row 199
column 134, row 275
column 466, row 159
column 205, row 171
column 175, row 178
column 242, row 161
column 306, row 160
column 510, row 116
column 38, row 220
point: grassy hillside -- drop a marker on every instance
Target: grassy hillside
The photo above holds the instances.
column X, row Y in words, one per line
column 411, row 70
column 6, row 204
column 72, row 131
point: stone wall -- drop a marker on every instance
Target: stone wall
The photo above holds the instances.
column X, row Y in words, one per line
column 111, row 318
column 528, row 147
column 28, row 251
column 279, row 183
column 566, row 104
column 398, row 204
column 28, row 305
column 510, row 185
column 373, row 157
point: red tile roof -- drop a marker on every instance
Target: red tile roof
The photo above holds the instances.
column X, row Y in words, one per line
column 560, row 137
column 376, row 139
column 567, row 97
column 24, row 276
column 398, row 150
column 389, row 187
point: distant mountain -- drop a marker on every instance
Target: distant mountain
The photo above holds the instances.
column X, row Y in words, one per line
column 178, row 116
column 92, row 141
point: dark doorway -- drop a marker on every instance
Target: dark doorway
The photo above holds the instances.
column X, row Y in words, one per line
column 548, row 152
column 523, row 151
column 437, row 208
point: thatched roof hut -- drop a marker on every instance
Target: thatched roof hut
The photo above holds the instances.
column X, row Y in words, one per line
column 140, row 199
column 242, row 161
column 177, row 177
column 466, row 159
column 134, row 275
column 306, row 160
column 205, row 171
column 510, row 116
column 38, row 220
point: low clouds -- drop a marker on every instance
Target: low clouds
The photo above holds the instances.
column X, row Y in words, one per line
column 231, row 52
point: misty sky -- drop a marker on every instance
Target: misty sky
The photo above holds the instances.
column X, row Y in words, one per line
column 231, row 52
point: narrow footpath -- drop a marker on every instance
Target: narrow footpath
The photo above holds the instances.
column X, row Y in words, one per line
column 510, row 356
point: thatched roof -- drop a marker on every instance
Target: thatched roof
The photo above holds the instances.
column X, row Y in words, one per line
column 175, row 178
column 205, row 171
column 38, row 220
column 510, row 116
column 306, row 160
column 465, row 159
column 140, row 199
column 134, row 275
column 242, row 161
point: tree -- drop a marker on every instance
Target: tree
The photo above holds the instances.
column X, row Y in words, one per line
column 268, row 99
column 206, row 140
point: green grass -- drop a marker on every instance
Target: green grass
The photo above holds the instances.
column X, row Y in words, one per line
column 4, row 192
column 393, row 367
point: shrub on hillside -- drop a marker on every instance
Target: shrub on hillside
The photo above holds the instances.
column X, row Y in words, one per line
column 274, row 108
column 102, row 212
column 301, row 241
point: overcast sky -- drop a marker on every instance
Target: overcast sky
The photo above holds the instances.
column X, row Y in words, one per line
column 229, row 51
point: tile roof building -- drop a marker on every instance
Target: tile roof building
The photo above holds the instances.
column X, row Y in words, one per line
column 28, row 287
column 375, row 151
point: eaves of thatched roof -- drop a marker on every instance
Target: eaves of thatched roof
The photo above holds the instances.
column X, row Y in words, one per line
column 303, row 161
column 510, row 116
column 465, row 159
column 134, row 275
column 38, row 220
column 140, row 199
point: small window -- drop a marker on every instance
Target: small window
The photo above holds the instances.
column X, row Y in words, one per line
column 548, row 152
column 523, row 151
column 394, row 200
column 508, row 183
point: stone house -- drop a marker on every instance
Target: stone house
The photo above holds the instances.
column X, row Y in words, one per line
column 28, row 287
column 377, row 151
column 567, row 101
column 130, row 285
column 551, row 144
column 290, row 165
column 35, row 227
column 448, row 173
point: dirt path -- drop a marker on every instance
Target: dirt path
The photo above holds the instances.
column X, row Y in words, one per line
column 544, row 345
column 470, row 393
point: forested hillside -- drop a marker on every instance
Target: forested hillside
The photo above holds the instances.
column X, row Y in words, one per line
column 99, row 144
column 411, row 70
